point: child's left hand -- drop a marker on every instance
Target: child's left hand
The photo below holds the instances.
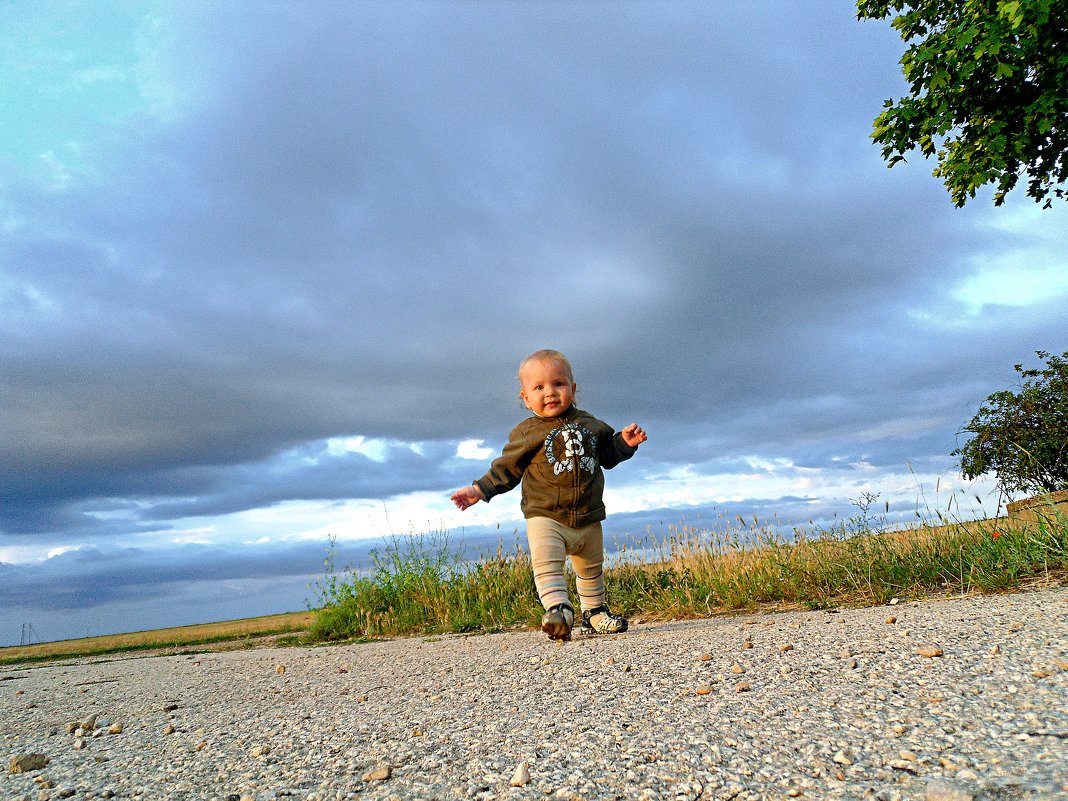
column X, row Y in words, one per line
column 634, row 435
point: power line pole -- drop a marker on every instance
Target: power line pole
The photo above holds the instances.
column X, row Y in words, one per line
column 29, row 634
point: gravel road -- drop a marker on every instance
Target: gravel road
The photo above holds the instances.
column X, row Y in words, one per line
column 943, row 700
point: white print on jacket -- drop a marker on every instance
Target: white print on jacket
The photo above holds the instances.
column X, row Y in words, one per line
column 578, row 446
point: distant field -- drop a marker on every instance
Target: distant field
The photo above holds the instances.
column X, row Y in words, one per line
column 234, row 631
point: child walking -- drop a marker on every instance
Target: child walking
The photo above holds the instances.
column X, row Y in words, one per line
column 557, row 455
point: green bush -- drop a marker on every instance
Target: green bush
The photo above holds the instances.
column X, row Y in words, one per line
column 1022, row 437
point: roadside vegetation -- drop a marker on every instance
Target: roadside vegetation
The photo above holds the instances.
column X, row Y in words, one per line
column 422, row 584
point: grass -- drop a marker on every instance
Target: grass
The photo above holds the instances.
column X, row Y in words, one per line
column 423, row 584
column 419, row 584
column 236, row 633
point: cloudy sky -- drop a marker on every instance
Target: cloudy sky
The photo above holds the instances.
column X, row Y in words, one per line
column 267, row 271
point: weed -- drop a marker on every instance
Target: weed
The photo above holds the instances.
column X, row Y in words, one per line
column 422, row 585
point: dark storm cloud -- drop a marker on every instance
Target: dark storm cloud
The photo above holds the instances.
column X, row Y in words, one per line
column 360, row 218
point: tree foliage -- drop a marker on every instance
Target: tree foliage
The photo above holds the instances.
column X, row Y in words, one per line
column 1022, row 437
column 988, row 93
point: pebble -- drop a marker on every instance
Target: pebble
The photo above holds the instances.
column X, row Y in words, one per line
column 963, row 727
column 521, row 776
column 939, row 789
column 26, row 763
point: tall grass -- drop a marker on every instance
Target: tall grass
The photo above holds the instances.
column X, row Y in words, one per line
column 422, row 584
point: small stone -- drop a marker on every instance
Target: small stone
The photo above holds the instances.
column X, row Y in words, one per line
column 905, row 766
column 895, row 601
column 169, row 707
column 1042, row 673
column 79, row 744
column 942, row 790
column 705, row 657
column 891, row 620
column 610, row 660
column 747, row 645
column 521, row 777
column 742, row 687
column 260, row 750
column 907, row 755
column 24, row 763
column 89, row 723
column 169, row 729
column 786, row 648
column 853, row 664
column 379, row 774
column 704, row 689
column 845, row 653
column 280, row 669
column 842, row 758
column 995, row 650
column 931, row 650
column 737, row 669
column 115, row 728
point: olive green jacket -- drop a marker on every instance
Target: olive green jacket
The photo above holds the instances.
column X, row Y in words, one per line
column 559, row 461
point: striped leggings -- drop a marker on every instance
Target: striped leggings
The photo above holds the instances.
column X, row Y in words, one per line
column 550, row 543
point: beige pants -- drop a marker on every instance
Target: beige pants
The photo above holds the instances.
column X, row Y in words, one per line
column 550, row 543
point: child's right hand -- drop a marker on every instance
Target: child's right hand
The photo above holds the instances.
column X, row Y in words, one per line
column 468, row 496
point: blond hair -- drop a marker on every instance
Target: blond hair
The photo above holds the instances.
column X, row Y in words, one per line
column 546, row 355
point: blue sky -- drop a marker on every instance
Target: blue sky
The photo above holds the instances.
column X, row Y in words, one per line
column 267, row 271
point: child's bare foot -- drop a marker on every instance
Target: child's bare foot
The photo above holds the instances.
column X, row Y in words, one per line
column 557, row 622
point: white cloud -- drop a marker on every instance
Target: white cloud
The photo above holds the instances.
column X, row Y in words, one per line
column 377, row 450
column 473, row 449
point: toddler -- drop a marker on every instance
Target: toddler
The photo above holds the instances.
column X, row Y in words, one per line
column 557, row 455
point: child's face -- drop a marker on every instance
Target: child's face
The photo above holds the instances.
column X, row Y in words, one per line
column 545, row 388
